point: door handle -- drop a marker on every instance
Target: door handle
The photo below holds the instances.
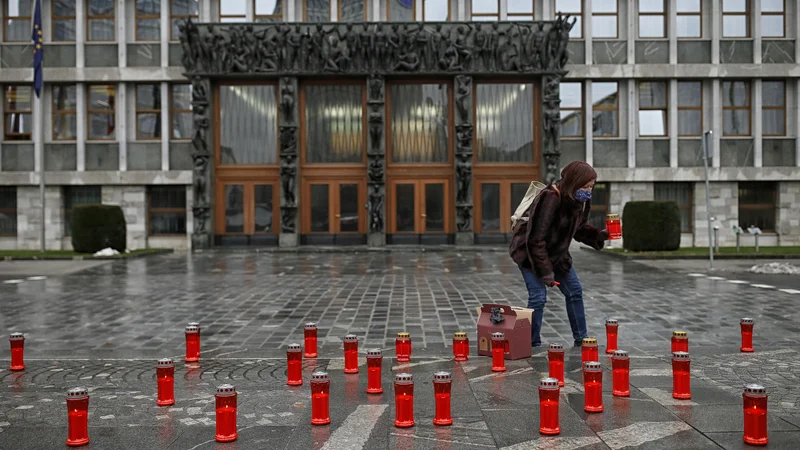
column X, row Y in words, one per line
column 423, row 215
column 338, row 216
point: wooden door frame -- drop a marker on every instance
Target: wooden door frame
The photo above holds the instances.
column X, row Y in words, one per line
column 334, row 202
column 248, row 199
column 419, row 204
column 505, row 183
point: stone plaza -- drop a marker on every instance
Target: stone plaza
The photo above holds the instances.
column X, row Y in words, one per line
column 105, row 326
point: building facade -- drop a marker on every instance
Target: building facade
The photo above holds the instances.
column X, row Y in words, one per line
column 119, row 112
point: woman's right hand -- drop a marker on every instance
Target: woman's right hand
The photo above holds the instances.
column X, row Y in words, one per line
column 549, row 280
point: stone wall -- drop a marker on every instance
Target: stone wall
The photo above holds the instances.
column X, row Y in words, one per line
column 133, row 201
column 724, row 207
column 29, row 218
column 789, row 213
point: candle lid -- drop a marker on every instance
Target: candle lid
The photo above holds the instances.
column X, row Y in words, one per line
column 351, row 338
column 589, row 341
column 16, row 337
column 683, row 356
column 293, row 348
column 755, row 389
column 374, row 353
column 592, row 366
column 442, row 377
column 679, row 333
column 612, row 322
column 403, row 335
column 556, row 347
column 620, row 354
column 460, row 335
column 165, row 362
column 548, row 383
column 404, row 378
column 192, row 329
column 226, row 390
column 194, row 324
column 612, row 216
column 747, row 321
column 320, row 377
column 498, row 336
column 78, row 392
column 311, row 326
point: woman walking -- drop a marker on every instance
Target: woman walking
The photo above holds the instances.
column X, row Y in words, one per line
column 558, row 214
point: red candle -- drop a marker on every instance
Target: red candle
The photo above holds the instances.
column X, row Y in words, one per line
column 620, row 374
column 442, row 382
column 681, row 376
column 592, row 386
column 555, row 359
column 747, row 335
column 165, row 374
column 611, row 335
column 402, row 347
column 17, row 341
column 613, row 226
column 460, row 346
column 498, row 352
column 226, row 413
column 680, row 342
column 351, row 353
column 294, row 363
column 404, row 400
column 310, row 340
column 77, row 417
column 755, row 414
column 548, row 406
column 320, row 398
column 589, row 351
column 374, row 363
column 192, row 343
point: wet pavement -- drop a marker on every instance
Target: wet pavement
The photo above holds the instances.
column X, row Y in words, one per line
column 104, row 327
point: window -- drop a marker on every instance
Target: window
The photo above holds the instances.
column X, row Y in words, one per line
column 435, row 11
column 757, row 205
column 575, row 9
column 735, row 18
column 401, row 10
column 8, row 211
column 504, row 131
column 148, row 20
column 497, row 202
column 773, row 108
column 736, row 108
column 571, row 95
column 233, row 11
column 600, row 202
column 419, row 123
column 79, row 195
column 317, row 10
column 485, row 10
column 100, row 111
column 148, row 111
column 690, row 108
column 248, row 124
column 773, row 18
column 17, row 108
column 65, row 115
column 63, row 17
column 680, row 193
column 179, row 11
column 166, row 208
column 271, row 10
column 17, row 20
column 604, row 19
column 689, row 19
column 100, row 20
column 181, row 111
column 605, row 109
column 652, row 108
column 652, row 19
column 352, row 11
column 520, row 10
column 334, row 118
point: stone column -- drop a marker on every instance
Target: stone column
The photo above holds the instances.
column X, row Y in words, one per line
column 201, row 156
column 288, row 162
column 464, row 128
column 376, row 155
column 551, row 126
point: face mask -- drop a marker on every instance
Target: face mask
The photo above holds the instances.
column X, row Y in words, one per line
column 582, row 196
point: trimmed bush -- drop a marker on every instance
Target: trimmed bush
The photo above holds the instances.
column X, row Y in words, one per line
column 651, row 226
column 95, row 227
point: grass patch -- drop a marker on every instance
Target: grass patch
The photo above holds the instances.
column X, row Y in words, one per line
column 703, row 251
column 69, row 254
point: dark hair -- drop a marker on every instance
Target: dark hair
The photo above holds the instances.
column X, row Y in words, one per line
column 574, row 176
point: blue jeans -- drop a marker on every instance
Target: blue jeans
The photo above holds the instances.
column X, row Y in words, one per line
column 573, row 293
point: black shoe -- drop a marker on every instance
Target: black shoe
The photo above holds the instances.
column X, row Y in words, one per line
column 536, row 344
column 578, row 342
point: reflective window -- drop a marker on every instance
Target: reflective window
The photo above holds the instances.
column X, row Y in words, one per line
column 604, row 19
column 181, row 111
column 8, row 210
column 690, row 108
column 100, row 20
column 334, row 123
column 600, row 200
column 681, row 194
column 320, row 208
column 605, row 109
column 653, row 108
column 270, row 10
column 17, row 20
column 17, row 108
column 521, row 10
column 248, row 124
column 773, row 108
column 148, row 20
column 652, row 19
column 689, row 20
column 735, row 18
column 148, row 111
column 62, row 13
column 264, row 210
column 435, row 10
column 317, row 10
column 167, row 210
column 180, row 11
column 101, row 108
column 234, row 208
column 575, row 9
column 757, row 205
column 571, row 95
column 485, row 10
column 65, row 114
column 400, row 10
column 736, row 108
column 773, row 18
column 504, row 123
column 79, row 195
column 419, row 123
column 490, row 207
column 233, row 11
column 352, row 11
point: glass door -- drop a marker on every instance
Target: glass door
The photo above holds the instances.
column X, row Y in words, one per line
column 334, row 212
column 247, row 213
column 419, row 212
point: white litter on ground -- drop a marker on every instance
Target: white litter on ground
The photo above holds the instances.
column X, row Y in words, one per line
column 776, row 268
column 108, row 251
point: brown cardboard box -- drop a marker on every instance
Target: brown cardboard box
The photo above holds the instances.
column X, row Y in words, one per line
column 516, row 325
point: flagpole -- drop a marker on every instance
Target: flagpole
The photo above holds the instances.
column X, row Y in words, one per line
column 40, row 138
column 37, row 38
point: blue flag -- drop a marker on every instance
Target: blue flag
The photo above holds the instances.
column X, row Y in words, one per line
column 38, row 52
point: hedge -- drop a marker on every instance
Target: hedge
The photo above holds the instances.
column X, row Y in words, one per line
column 95, row 227
column 651, row 226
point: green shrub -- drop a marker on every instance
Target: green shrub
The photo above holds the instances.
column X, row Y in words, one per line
column 95, row 227
column 651, row 226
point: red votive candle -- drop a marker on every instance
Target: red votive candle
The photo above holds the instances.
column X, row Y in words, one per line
column 294, row 365
column 77, row 417
column 755, row 414
column 620, row 374
column 17, row 342
column 165, row 374
column 374, row 363
column 613, row 226
column 320, row 398
column 589, row 350
column 746, row 325
column 612, row 326
column 402, row 347
column 460, row 346
column 192, row 333
column 555, row 360
column 310, row 340
column 351, row 353
column 681, row 376
column 226, row 413
column 548, row 406
column 442, row 382
column 592, row 386
column 498, row 352
column 404, row 400
column 680, row 342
